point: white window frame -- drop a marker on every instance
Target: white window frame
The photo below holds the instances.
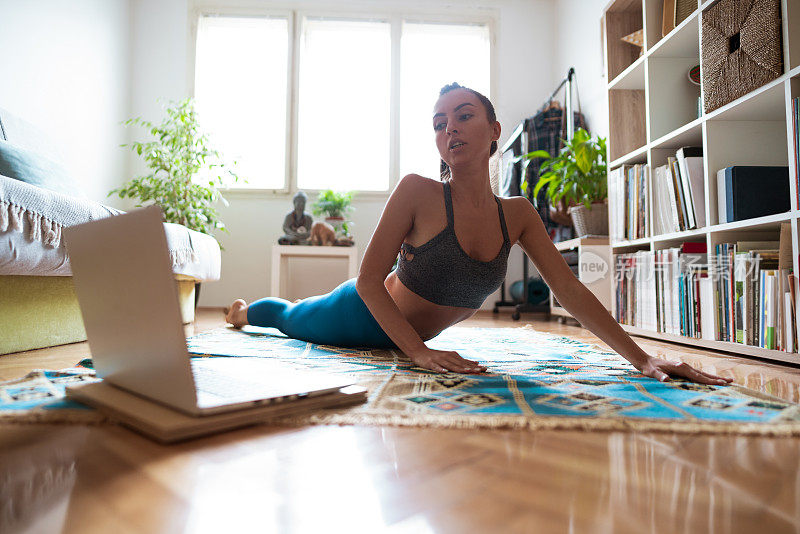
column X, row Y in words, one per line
column 296, row 17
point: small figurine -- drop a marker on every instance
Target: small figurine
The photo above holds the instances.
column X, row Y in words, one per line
column 297, row 224
column 323, row 234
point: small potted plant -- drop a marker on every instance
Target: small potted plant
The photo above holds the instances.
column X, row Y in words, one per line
column 335, row 206
column 577, row 178
column 184, row 172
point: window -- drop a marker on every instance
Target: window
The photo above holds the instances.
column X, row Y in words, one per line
column 434, row 55
column 240, row 90
column 344, row 105
column 362, row 94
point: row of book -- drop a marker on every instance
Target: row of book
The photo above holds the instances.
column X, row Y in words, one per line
column 628, row 193
column 744, row 292
column 671, row 198
column 796, row 132
column 675, row 190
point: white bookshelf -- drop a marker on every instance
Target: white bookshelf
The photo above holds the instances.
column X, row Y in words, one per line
column 653, row 112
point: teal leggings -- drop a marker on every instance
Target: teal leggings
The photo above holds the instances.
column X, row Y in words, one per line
column 339, row 318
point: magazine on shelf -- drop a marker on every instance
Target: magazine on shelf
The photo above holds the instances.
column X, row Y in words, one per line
column 791, row 312
column 708, row 326
column 680, row 201
column 669, row 200
column 690, row 166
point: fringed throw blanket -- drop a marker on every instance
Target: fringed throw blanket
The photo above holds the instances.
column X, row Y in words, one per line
column 46, row 211
column 42, row 214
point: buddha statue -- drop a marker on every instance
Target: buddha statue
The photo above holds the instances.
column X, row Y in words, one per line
column 297, row 223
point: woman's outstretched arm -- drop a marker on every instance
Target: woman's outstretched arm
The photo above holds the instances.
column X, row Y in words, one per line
column 396, row 221
column 584, row 306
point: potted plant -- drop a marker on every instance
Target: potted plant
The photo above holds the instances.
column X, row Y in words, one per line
column 335, row 206
column 185, row 173
column 577, row 178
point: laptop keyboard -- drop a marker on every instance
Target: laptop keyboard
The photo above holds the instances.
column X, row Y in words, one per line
column 212, row 381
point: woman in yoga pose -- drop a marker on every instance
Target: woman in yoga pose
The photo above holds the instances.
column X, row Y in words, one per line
column 453, row 237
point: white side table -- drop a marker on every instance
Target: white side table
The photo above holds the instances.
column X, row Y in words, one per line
column 282, row 253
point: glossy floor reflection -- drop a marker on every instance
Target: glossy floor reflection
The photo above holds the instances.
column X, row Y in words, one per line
column 356, row 479
column 384, row 479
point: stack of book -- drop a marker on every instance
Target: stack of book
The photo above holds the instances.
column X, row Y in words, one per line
column 745, row 292
column 675, row 190
column 628, row 187
column 796, row 131
column 658, row 290
column 755, row 293
column 678, row 197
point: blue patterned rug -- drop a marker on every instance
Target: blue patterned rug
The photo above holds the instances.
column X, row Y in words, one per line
column 535, row 380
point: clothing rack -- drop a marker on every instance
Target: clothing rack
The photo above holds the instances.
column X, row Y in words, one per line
column 518, row 135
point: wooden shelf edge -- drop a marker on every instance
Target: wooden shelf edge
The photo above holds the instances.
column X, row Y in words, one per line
column 755, row 93
column 737, row 349
column 661, row 43
column 629, row 156
column 752, row 223
column 627, row 72
column 698, row 122
column 631, row 243
column 745, row 225
column 676, row 236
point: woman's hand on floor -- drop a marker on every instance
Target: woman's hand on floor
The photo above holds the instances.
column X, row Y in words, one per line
column 445, row 360
column 663, row 369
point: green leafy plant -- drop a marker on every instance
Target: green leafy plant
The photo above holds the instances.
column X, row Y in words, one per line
column 179, row 159
column 334, row 204
column 577, row 175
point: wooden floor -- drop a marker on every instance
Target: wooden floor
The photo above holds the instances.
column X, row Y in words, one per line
column 60, row 478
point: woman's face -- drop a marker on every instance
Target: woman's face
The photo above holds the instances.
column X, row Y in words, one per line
column 462, row 128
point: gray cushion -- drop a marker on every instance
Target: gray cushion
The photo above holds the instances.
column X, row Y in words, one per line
column 36, row 169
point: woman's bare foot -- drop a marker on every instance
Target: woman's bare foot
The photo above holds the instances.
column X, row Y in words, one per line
column 236, row 314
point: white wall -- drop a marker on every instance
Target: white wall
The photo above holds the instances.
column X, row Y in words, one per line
column 64, row 68
column 578, row 44
column 524, row 34
column 159, row 65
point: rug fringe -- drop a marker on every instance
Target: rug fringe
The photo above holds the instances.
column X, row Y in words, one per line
column 461, row 422
column 543, row 423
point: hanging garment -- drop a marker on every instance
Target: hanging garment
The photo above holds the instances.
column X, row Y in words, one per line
column 545, row 131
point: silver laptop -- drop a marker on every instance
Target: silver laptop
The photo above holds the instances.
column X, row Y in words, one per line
column 129, row 302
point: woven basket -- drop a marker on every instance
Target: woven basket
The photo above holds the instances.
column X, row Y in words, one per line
column 741, row 48
column 590, row 222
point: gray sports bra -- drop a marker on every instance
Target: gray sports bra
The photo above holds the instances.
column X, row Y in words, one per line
column 441, row 272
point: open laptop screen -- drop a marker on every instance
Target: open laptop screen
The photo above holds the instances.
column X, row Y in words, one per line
column 129, row 302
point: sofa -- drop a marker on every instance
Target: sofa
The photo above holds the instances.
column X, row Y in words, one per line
column 38, row 198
